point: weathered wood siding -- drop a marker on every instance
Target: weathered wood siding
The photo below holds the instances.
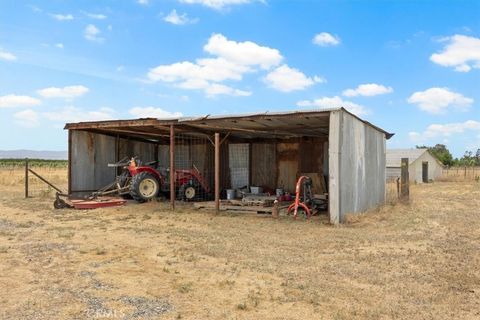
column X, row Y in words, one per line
column 359, row 153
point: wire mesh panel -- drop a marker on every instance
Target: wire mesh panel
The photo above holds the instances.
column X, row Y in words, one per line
column 194, row 167
column 239, row 163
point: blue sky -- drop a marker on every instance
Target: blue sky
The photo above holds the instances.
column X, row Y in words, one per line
column 410, row 67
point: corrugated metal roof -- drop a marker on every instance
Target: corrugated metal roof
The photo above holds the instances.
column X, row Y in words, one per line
column 264, row 124
column 394, row 156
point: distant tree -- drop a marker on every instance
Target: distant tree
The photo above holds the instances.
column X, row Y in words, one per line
column 469, row 159
column 441, row 152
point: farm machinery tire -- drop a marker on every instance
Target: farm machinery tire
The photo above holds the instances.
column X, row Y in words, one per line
column 144, row 186
column 189, row 192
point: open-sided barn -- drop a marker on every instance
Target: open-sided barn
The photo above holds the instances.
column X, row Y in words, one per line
column 422, row 165
column 267, row 149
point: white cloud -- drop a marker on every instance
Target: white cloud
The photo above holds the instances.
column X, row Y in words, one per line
column 233, row 59
column 143, row 2
column 68, row 92
column 92, row 33
column 367, row 90
column 326, row 39
column 27, row 118
column 74, row 114
column 97, row 16
column 439, row 100
column 434, row 131
column 179, row 19
column 212, row 89
column 62, row 17
column 59, row 45
column 334, row 102
column 215, row 89
column 462, row 53
column 288, row 79
column 217, row 69
column 7, row 56
column 218, row 4
column 243, row 53
column 153, row 112
column 13, row 101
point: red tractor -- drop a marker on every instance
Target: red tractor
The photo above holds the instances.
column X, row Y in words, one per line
column 145, row 182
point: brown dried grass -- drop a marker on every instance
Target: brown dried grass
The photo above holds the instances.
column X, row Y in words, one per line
column 415, row 260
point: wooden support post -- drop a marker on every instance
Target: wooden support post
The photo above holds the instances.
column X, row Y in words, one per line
column 26, row 177
column 404, row 183
column 172, row 167
column 217, row 172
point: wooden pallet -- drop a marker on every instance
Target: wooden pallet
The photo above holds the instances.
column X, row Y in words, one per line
column 237, row 206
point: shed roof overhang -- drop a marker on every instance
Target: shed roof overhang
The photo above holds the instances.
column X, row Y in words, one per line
column 251, row 126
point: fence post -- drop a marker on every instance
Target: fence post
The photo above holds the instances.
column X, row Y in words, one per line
column 465, row 174
column 404, row 184
column 26, row 178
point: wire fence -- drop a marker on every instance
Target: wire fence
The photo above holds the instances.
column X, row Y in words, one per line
column 461, row 173
column 392, row 190
column 19, row 181
column 194, row 167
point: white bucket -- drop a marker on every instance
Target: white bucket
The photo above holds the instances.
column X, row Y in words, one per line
column 230, row 194
column 256, row 190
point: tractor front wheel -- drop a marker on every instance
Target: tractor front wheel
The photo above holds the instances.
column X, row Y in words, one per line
column 188, row 192
column 144, row 187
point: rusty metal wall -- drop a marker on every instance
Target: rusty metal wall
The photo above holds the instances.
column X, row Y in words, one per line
column 287, row 165
column 264, row 165
column 130, row 148
column 90, row 154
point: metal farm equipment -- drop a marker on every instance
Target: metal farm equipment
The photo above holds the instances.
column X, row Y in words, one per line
column 305, row 202
column 145, row 182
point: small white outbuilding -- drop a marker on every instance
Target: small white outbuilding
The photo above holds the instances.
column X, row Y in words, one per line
column 422, row 165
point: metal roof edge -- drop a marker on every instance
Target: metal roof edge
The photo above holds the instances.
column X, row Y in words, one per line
column 193, row 119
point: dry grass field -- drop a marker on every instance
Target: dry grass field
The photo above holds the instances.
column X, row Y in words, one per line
column 408, row 261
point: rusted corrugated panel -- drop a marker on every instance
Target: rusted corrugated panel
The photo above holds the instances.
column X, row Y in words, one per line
column 104, row 153
column 90, row 155
column 82, row 153
column 144, row 151
column 287, row 165
column 264, row 168
column 164, row 156
column 311, row 155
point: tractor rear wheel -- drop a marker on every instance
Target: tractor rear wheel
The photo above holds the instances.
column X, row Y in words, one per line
column 144, row 187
